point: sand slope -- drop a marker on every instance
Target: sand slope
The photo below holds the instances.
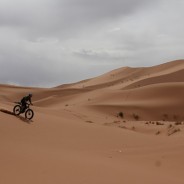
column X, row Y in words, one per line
column 77, row 136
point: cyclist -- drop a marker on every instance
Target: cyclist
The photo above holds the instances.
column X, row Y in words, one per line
column 24, row 101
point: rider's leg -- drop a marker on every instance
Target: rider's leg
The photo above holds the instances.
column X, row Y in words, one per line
column 23, row 106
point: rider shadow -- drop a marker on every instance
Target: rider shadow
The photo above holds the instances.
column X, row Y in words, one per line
column 19, row 117
column 24, row 119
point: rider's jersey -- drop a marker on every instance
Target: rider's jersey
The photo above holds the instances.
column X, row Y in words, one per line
column 26, row 99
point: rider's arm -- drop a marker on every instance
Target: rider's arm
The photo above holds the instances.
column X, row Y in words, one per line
column 30, row 101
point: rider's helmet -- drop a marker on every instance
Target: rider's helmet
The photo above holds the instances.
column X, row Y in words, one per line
column 30, row 95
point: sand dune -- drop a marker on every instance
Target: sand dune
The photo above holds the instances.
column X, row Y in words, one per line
column 128, row 75
column 125, row 126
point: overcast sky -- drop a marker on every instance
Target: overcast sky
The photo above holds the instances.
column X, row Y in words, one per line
column 52, row 42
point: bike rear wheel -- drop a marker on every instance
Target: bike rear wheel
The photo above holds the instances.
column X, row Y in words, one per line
column 17, row 110
column 29, row 114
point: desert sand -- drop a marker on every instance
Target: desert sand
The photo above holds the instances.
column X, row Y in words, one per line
column 125, row 126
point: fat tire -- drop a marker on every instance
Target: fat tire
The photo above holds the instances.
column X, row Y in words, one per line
column 17, row 110
column 29, row 114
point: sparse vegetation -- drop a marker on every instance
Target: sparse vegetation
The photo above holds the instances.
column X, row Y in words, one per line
column 121, row 126
column 120, row 114
column 165, row 116
column 133, row 128
column 89, row 121
column 158, row 123
column 178, row 123
column 170, row 126
column 136, row 117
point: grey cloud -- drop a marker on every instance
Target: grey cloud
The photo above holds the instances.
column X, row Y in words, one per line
column 104, row 56
column 48, row 17
column 50, row 42
column 88, row 9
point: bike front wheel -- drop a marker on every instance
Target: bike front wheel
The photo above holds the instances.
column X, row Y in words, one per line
column 29, row 114
column 17, row 110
